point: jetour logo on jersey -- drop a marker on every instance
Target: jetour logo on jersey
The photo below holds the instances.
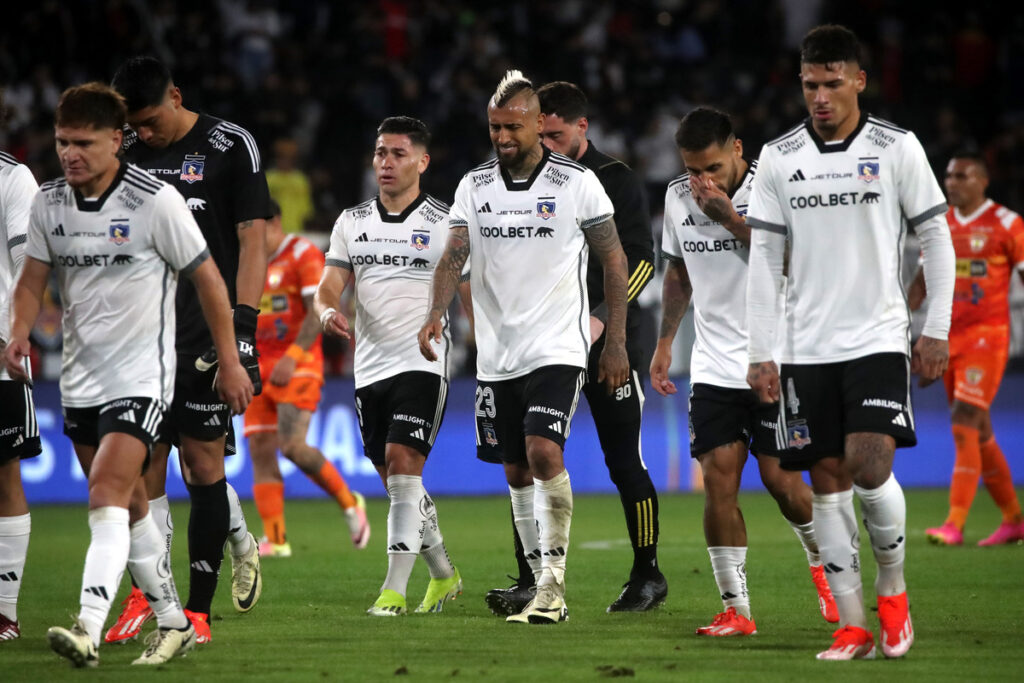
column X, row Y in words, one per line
column 192, row 168
column 119, row 230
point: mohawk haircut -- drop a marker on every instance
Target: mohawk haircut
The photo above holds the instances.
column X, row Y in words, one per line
column 974, row 156
column 143, row 81
column 702, row 128
column 417, row 131
column 511, row 85
column 828, row 44
column 564, row 99
column 93, row 105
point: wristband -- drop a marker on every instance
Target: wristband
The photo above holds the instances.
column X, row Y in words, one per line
column 296, row 353
column 325, row 316
column 245, row 320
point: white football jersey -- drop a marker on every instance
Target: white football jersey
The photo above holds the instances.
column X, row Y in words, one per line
column 845, row 207
column 529, row 254
column 116, row 259
column 392, row 259
column 17, row 188
column 717, row 264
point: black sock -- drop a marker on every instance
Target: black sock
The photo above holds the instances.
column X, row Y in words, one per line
column 640, row 503
column 525, row 572
column 207, row 532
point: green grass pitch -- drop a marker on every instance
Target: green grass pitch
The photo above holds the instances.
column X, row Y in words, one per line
column 967, row 604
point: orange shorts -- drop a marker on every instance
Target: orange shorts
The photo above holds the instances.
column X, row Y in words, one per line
column 977, row 359
column 303, row 392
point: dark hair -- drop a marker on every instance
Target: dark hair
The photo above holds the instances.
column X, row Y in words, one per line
column 143, row 81
column 275, row 208
column 974, row 156
column 417, row 131
column 563, row 99
column 703, row 127
column 94, row 105
column 828, row 44
column 512, row 84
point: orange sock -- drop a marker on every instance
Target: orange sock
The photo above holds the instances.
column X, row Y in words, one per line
column 269, row 499
column 331, row 481
column 995, row 472
column 966, row 470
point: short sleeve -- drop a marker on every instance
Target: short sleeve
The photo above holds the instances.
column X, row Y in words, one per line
column 669, row 238
column 18, row 192
column 593, row 205
column 337, row 252
column 176, row 236
column 1016, row 238
column 461, row 209
column 36, row 245
column 310, row 266
column 251, row 195
column 765, row 209
column 921, row 197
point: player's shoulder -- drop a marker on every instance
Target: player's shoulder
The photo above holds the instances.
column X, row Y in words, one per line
column 302, row 248
column 8, row 162
column 130, row 142
column 227, row 137
column 360, row 211
column 143, row 181
column 14, row 173
column 482, row 175
column 788, row 139
column 433, row 210
column 679, row 187
column 565, row 162
column 1007, row 217
column 54, row 188
column 878, row 121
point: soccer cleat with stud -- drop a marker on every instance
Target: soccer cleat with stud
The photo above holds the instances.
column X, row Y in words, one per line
column 504, row 602
column 826, row 603
column 9, row 630
column 729, row 623
column 358, row 524
column 947, row 534
column 164, row 644
column 440, row 591
column 74, row 644
column 389, row 604
column 268, row 549
column 201, row 623
column 1008, row 532
column 547, row 607
column 134, row 614
column 851, row 642
column 897, row 634
column 246, row 578
column 641, row 595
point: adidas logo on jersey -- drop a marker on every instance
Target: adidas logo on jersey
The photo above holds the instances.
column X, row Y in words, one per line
column 486, row 208
column 418, row 434
column 58, row 231
column 214, row 421
column 127, row 416
column 555, row 427
column 899, row 420
column 363, row 238
column 689, row 220
column 796, row 177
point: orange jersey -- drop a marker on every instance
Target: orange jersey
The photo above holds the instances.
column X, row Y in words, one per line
column 294, row 270
column 989, row 246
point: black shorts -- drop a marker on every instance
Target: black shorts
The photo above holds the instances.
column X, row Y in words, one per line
column 720, row 416
column 538, row 404
column 136, row 416
column 405, row 409
column 196, row 411
column 19, row 431
column 823, row 403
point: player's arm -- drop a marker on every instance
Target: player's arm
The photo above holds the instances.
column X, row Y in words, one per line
column 447, row 275
column 917, row 291
column 252, row 274
column 675, row 299
column 930, row 355
column 328, row 297
column 466, row 297
column 717, row 206
column 284, row 368
column 603, row 240
column 27, row 302
column 764, row 282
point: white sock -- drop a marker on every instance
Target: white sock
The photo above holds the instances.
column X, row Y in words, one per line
column 835, row 526
column 160, row 509
column 729, row 564
column 238, row 532
column 552, row 507
column 405, row 529
column 104, row 564
column 434, row 553
column 885, row 518
column 805, row 532
column 14, row 533
column 150, row 566
column 526, row 525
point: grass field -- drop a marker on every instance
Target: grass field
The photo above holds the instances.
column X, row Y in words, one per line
column 967, row 604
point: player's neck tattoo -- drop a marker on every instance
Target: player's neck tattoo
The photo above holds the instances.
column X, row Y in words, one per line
column 530, row 161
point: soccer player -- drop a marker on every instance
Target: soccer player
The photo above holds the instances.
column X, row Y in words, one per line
column 215, row 165
column 839, row 186
column 387, row 248
column 117, row 238
column 529, row 216
column 706, row 243
column 19, row 432
column 291, row 366
column 989, row 242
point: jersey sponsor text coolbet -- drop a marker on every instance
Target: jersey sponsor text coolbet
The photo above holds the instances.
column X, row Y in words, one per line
column 293, row 272
column 17, row 187
column 116, row 259
column 846, row 203
column 392, row 258
column 529, row 263
column 717, row 265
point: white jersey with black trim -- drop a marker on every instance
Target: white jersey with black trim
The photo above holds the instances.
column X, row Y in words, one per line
column 117, row 259
column 17, row 188
column 845, row 207
column 717, row 265
column 392, row 258
column 530, row 257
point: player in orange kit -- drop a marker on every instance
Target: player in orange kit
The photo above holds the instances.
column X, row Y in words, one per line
column 989, row 242
column 291, row 364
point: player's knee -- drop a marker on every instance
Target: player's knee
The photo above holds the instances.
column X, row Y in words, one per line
column 632, row 478
column 969, row 415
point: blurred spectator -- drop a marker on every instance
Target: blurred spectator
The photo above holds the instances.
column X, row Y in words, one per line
column 289, row 186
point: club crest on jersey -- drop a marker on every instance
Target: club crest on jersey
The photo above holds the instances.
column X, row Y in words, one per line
column 192, row 168
column 420, row 240
column 119, row 231
column 798, row 434
column 978, row 242
column 868, row 171
column 545, row 209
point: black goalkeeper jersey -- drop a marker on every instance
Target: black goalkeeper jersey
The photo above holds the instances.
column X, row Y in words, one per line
column 217, row 168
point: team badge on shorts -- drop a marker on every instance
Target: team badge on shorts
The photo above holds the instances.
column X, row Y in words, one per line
column 545, row 209
column 868, row 171
column 974, row 375
column 797, row 434
column 489, row 435
column 192, row 168
column 119, row 230
column 420, row 240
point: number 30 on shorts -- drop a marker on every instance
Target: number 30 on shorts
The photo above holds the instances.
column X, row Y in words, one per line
column 485, row 402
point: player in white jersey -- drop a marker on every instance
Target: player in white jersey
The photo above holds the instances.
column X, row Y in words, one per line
column 387, row 247
column 116, row 239
column 19, row 432
column 529, row 217
column 842, row 187
column 706, row 244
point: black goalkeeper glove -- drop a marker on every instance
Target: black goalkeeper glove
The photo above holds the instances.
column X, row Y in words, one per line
column 245, row 338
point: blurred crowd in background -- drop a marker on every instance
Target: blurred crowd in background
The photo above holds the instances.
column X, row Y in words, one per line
column 311, row 79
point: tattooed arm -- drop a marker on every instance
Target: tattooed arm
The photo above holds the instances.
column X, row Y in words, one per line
column 675, row 299
column 446, row 281
column 613, row 366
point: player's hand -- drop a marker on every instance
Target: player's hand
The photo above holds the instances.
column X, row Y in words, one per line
column 613, row 366
column 248, row 357
column 430, row 332
column 596, row 329
column 282, row 371
column 14, row 355
column 659, row 370
column 335, row 323
column 234, row 386
column 715, row 204
column 763, row 378
column 929, row 359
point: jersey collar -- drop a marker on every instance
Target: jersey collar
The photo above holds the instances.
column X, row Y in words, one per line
column 386, row 217
column 827, row 148
column 97, row 204
column 525, row 186
column 964, row 220
column 743, row 179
